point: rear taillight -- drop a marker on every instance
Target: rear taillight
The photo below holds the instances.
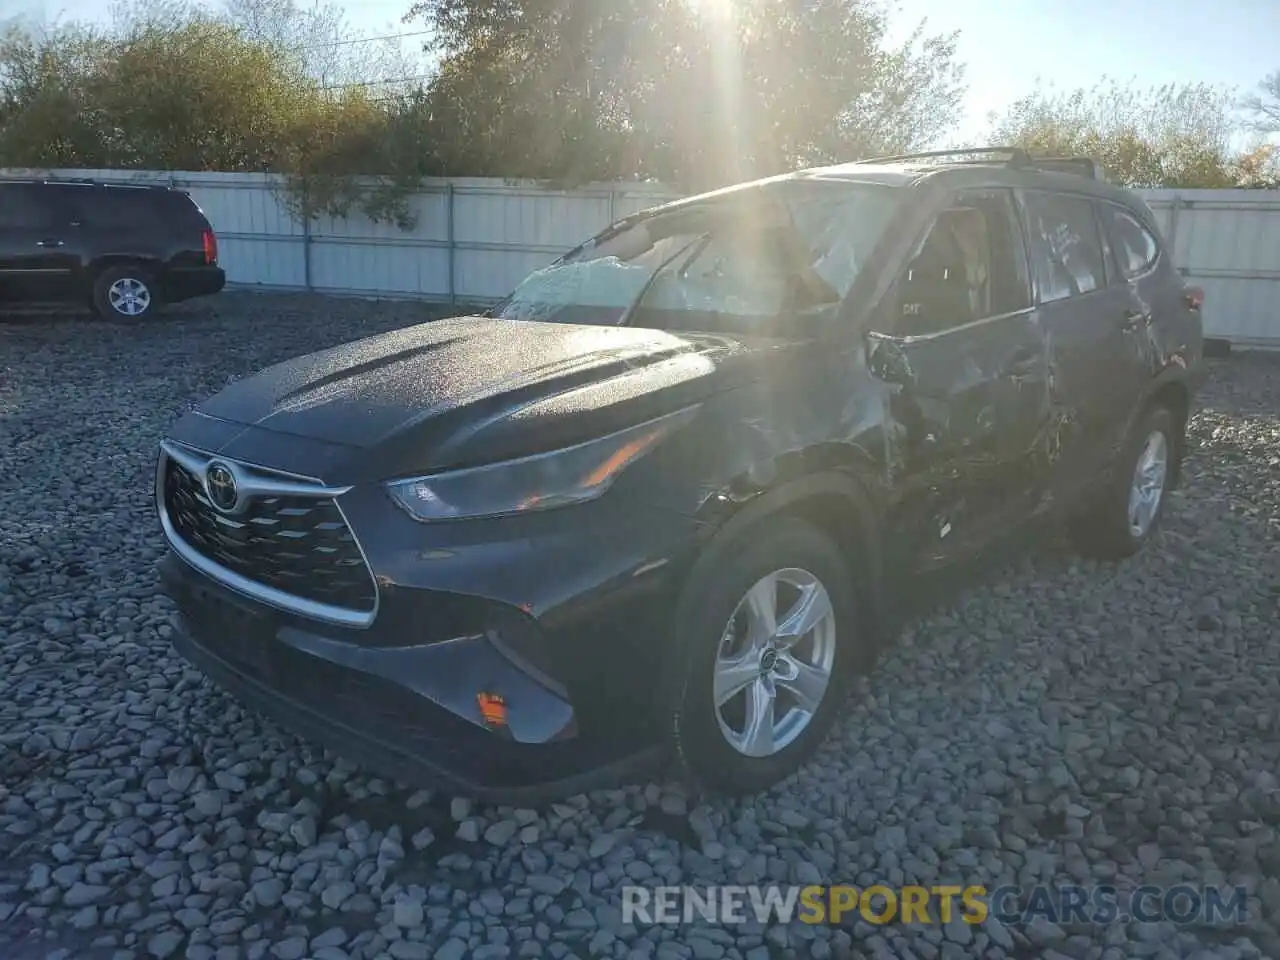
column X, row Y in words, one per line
column 210, row 248
column 1193, row 297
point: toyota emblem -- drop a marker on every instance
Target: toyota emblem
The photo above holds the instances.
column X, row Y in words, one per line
column 220, row 484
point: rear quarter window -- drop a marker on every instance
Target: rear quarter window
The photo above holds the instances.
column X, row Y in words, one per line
column 113, row 208
column 1137, row 248
column 123, row 207
column 1067, row 255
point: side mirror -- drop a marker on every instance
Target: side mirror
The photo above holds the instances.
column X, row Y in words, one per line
column 888, row 361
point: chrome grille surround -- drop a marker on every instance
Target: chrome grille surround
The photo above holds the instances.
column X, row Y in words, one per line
column 286, row 542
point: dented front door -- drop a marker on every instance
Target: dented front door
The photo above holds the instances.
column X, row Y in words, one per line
column 972, row 407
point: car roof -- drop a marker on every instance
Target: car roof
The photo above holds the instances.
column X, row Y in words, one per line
column 909, row 172
column 931, row 170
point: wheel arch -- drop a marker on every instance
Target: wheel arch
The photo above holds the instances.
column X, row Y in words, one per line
column 840, row 501
column 100, row 265
column 1173, row 392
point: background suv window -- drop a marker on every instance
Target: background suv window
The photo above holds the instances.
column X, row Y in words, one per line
column 1066, row 246
column 1136, row 247
column 115, row 208
column 23, row 207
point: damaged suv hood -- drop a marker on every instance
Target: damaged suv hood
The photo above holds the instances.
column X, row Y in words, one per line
column 472, row 389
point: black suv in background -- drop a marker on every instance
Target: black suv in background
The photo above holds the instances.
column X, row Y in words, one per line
column 124, row 250
column 665, row 493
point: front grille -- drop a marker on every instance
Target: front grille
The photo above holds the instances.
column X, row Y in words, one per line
column 299, row 545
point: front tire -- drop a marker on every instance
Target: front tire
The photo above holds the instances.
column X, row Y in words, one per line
column 768, row 626
column 126, row 292
column 1126, row 514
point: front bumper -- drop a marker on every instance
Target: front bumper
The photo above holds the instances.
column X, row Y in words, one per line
column 410, row 713
column 560, row 618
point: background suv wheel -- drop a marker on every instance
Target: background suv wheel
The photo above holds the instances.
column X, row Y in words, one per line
column 125, row 292
column 769, row 625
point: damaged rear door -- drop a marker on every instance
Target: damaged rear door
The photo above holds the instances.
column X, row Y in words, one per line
column 961, row 345
column 1098, row 334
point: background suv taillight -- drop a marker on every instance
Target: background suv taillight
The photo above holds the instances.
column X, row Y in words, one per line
column 210, row 248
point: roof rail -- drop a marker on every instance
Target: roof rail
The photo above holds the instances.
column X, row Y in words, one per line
column 1083, row 166
column 86, row 182
column 1015, row 154
column 1015, row 157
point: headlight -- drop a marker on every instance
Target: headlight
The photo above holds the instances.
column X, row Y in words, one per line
column 555, row 479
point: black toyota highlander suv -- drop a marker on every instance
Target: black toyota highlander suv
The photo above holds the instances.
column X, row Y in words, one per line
column 660, row 501
column 122, row 250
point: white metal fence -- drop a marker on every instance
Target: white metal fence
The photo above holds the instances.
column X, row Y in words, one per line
column 474, row 239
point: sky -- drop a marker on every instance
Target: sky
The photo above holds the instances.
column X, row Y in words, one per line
column 1007, row 44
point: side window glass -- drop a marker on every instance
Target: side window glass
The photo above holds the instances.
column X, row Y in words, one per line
column 1066, row 247
column 971, row 265
column 117, row 209
column 22, row 207
column 1136, row 247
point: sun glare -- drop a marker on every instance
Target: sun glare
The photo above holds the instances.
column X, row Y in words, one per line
column 713, row 9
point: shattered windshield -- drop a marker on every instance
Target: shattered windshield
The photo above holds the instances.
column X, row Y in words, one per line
column 734, row 262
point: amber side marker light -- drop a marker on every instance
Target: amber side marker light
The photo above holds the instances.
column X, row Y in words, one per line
column 493, row 708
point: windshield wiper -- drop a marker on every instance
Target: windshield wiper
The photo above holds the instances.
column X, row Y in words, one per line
column 626, row 314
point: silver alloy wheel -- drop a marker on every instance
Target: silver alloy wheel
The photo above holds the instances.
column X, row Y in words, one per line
column 1147, row 489
column 774, row 663
column 129, row 297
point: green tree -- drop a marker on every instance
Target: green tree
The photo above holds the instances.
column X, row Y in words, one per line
column 169, row 85
column 694, row 94
column 1169, row 136
column 47, row 117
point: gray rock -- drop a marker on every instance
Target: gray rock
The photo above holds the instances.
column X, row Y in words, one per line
column 269, row 891
column 410, row 950
column 229, row 782
column 957, row 930
column 451, row 949
column 208, row 803
column 164, row 944
column 602, row 844
column 303, row 831
column 407, row 913
column 82, row 894
column 336, row 894
column 333, row 937
column 295, row 948
column 545, row 883
column 1042, row 931
column 191, row 918
column 500, row 833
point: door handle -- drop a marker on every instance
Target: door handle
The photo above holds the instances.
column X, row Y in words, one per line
column 51, row 243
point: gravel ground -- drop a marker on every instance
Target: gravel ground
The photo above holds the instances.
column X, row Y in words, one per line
column 1066, row 722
